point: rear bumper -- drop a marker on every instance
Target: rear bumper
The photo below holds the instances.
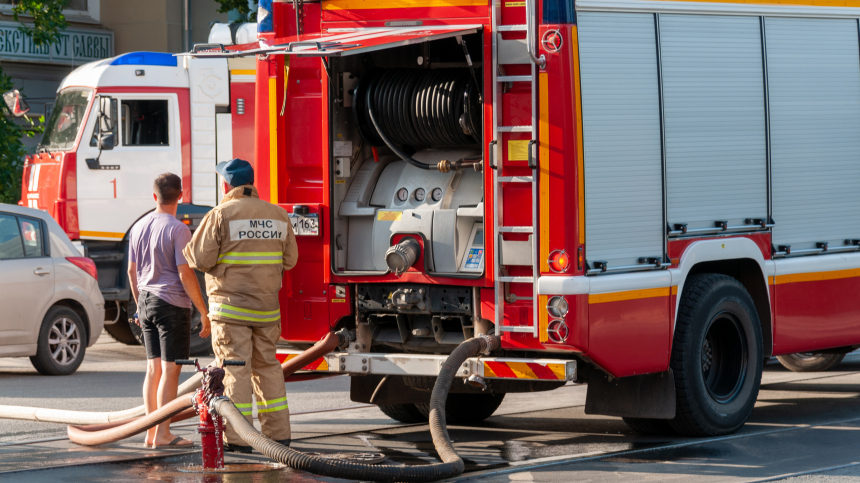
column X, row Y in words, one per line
column 430, row 365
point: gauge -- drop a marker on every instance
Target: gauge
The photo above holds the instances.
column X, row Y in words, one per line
column 419, row 194
column 402, row 194
column 436, row 194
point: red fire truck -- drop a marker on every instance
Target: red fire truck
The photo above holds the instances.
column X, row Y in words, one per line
column 648, row 196
column 116, row 125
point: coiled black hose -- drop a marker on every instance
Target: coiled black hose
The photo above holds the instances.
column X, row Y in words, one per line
column 414, row 107
column 452, row 465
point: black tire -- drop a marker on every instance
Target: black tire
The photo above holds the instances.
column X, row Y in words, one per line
column 654, row 427
column 716, row 356
column 122, row 331
column 405, row 413
column 62, row 343
column 466, row 409
column 198, row 346
column 810, row 361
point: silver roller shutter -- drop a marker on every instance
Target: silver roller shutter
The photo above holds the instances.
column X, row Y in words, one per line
column 713, row 103
column 814, row 86
column 621, row 135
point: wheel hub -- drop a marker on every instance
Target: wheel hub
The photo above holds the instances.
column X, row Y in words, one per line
column 707, row 356
column 724, row 358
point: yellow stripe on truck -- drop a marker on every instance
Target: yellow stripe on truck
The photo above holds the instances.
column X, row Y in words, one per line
column 602, row 298
column 102, row 234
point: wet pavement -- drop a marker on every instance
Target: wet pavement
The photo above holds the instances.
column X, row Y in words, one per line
column 805, row 427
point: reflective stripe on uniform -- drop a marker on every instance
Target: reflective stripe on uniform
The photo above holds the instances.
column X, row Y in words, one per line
column 237, row 313
column 271, row 406
column 251, row 258
column 243, row 410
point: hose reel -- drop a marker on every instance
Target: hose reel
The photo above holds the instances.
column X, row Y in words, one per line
column 417, row 107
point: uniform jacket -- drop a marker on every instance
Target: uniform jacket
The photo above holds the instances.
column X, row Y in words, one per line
column 243, row 246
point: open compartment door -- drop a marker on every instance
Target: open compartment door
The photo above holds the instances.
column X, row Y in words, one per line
column 342, row 42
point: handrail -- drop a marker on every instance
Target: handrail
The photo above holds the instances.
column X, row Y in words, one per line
column 680, row 229
column 531, row 23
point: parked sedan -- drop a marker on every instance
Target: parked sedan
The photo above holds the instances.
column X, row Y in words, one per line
column 51, row 308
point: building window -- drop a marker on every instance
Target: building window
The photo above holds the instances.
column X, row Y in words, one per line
column 144, row 123
column 71, row 5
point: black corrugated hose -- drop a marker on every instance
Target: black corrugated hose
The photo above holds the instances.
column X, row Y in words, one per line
column 452, row 465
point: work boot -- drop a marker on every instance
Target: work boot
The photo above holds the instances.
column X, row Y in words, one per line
column 237, row 448
column 285, row 442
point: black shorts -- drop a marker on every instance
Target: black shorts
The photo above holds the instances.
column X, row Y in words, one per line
column 166, row 328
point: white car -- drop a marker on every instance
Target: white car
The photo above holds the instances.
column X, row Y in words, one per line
column 51, row 308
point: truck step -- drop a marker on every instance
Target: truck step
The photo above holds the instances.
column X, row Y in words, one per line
column 514, row 129
column 516, row 229
column 516, row 179
column 516, row 279
column 514, row 78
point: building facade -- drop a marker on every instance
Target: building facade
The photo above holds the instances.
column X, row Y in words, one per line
column 98, row 29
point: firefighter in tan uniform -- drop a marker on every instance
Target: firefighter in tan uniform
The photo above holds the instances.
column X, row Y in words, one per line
column 243, row 246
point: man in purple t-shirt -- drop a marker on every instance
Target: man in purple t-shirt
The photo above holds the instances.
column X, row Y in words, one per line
column 164, row 287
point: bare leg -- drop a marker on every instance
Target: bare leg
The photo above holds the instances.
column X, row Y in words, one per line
column 150, row 392
column 166, row 393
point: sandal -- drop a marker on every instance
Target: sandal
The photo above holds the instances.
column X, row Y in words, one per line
column 179, row 442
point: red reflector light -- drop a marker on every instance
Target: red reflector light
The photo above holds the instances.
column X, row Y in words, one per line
column 86, row 265
column 187, row 222
column 559, row 261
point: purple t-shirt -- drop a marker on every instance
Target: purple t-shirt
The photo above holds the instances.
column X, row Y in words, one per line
column 156, row 245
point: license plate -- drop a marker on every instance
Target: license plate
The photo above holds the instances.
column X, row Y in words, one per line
column 307, row 225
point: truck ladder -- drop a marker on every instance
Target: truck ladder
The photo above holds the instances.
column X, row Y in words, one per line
column 513, row 52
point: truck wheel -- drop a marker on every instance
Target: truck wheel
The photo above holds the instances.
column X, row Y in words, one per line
column 810, row 361
column 62, row 343
column 465, row 409
column 121, row 331
column 716, row 356
column 405, row 413
column 655, row 427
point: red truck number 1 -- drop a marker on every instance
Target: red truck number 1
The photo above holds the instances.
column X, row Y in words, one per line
column 113, row 182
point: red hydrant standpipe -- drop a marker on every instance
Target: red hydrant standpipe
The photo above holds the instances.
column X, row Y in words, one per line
column 211, row 426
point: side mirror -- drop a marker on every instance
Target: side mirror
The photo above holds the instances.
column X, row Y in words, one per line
column 16, row 103
column 107, row 141
column 107, row 123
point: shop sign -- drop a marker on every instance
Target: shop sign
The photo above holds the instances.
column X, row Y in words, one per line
column 75, row 46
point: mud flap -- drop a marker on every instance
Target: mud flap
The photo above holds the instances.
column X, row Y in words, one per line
column 648, row 396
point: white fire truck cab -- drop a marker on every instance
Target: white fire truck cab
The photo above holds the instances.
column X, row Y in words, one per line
column 117, row 124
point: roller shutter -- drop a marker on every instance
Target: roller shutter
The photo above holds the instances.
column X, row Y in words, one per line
column 814, row 86
column 713, row 102
column 621, row 137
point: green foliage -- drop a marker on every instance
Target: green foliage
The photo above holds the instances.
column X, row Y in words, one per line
column 241, row 6
column 45, row 21
column 47, row 17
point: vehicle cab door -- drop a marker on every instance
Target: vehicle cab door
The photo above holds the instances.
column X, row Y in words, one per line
column 115, row 183
column 27, row 281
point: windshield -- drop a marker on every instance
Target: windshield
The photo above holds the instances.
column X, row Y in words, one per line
column 66, row 120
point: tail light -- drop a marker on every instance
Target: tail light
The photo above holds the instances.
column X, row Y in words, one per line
column 86, row 265
column 559, row 261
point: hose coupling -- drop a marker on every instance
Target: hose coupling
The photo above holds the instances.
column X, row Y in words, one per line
column 215, row 402
column 403, row 255
column 344, row 337
column 446, row 166
column 492, row 343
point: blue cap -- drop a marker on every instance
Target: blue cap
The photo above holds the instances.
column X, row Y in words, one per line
column 236, row 172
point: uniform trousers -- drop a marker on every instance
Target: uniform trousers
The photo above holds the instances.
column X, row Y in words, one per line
column 261, row 375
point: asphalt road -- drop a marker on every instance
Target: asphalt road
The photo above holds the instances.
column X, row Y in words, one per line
column 805, row 428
